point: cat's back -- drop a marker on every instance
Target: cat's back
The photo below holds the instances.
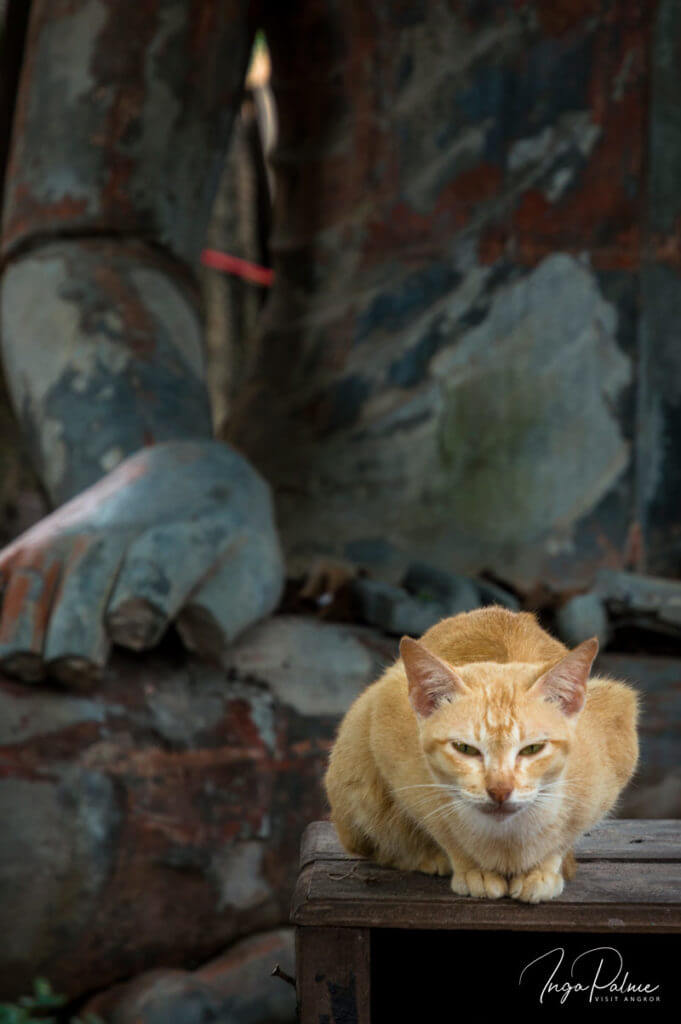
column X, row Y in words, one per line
column 492, row 634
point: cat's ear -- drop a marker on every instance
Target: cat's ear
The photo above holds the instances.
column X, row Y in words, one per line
column 565, row 683
column 432, row 682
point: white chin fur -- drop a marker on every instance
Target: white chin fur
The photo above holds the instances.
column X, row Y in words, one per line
column 497, row 821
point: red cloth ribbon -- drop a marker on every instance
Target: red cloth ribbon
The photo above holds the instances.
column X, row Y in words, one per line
column 228, row 264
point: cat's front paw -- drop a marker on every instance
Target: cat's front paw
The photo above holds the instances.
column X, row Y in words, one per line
column 540, row 884
column 437, row 864
column 481, row 884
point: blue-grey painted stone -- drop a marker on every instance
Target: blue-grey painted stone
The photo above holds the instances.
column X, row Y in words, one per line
column 487, row 461
column 394, row 610
column 235, row 988
column 76, row 637
column 244, row 586
column 124, row 114
column 21, row 643
column 316, row 668
column 109, row 360
column 453, row 592
column 181, row 531
column 158, row 820
column 492, row 593
column 75, row 817
column 582, row 617
column 153, row 584
column 647, row 601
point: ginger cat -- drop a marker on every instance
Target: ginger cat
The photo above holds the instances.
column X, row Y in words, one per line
column 484, row 752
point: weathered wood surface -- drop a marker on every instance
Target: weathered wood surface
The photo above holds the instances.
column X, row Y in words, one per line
column 613, row 840
column 629, row 879
column 333, row 975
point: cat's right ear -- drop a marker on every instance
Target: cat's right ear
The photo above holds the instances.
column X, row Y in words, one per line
column 565, row 684
column 432, row 682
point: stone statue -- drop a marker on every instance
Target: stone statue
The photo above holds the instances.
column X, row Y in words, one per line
column 448, row 361
column 120, row 124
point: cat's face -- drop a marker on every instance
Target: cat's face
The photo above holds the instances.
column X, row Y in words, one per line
column 498, row 735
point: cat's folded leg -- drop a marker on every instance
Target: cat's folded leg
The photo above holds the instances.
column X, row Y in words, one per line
column 468, row 879
column 569, row 866
column 353, row 839
column 480, row 883
column 543, row 882
column 435, row 864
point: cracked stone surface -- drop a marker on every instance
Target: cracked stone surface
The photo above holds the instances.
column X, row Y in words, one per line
column 159, row 819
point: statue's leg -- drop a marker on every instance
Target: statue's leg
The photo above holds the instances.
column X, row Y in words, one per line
column 122, row 119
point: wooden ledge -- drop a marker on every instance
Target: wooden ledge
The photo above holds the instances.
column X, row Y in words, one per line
column 629, row 880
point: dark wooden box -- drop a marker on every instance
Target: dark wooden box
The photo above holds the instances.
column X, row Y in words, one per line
column 374, row 944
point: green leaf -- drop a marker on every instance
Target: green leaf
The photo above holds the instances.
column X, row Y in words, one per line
column 10, row 1014
column 43, row 998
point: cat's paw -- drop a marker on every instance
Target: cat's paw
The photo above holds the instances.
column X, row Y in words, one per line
column 537, row 885
column 438, row 864
column 481, row 884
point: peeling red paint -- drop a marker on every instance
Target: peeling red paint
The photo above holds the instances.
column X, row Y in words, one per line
column 14, row 599
column 27, row 212
column 420, row 236
column 61, row 745
column 17, row 769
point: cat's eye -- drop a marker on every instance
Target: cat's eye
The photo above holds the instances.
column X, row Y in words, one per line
column 466, row 748
column 532, row 748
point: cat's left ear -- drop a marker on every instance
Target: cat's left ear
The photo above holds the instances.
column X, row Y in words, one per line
column 432, row 681
column 565, row 683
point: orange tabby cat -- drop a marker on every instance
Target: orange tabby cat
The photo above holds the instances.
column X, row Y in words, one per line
column 483, row 752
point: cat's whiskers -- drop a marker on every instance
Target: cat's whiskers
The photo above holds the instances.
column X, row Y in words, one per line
column 424, row 804
column 446, row 815
column 558, row 798
column 430, row 793
column 425, row 785
column 446, row 809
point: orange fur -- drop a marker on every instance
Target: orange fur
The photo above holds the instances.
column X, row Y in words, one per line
column 402, row 794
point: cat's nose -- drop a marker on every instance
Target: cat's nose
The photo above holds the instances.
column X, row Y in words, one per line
column 499, row 793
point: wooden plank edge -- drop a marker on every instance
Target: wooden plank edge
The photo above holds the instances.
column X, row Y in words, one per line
column 299, row 899
column 644, row 918
column 312, row 845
